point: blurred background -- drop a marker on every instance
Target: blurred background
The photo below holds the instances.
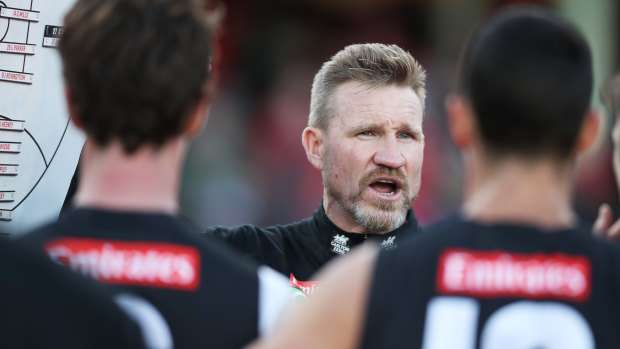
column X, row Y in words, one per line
column 249, row 166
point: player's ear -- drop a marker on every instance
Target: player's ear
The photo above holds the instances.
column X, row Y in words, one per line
column 589, row 132
column 312, row 140
column 198, row 117
column 460, row 120
column 71, row 107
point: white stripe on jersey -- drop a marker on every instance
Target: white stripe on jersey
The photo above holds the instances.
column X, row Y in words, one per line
column 155, row 331
column 273, row 293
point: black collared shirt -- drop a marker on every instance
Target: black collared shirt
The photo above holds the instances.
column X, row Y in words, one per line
column 302, row 248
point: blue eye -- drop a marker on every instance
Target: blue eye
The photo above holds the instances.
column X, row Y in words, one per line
column 365, row 133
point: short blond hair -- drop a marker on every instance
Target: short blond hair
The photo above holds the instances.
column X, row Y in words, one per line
column 370, row 64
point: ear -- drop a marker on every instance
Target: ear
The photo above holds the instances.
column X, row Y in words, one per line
column 312, row 140
column 71, row 107
column 460, row 121
column 589, row 132
column 198, row 117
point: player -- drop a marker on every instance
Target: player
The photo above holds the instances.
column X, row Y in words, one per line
column 365, row 136
column 137, row 75
column 46, row 306
column 511, row 270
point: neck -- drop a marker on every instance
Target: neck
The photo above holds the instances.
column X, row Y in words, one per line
column 340, row 216
column 535, row 193
column 146, row 181
column 343, row 218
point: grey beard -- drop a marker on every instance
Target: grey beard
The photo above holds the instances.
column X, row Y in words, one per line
column 377, row 220
column 381, row 218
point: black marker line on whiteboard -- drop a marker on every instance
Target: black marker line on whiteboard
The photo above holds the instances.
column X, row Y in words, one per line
column 27, row 36
column 8, row 22
column 38, row 146
column 46, row 167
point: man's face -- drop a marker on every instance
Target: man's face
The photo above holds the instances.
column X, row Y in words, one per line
column 373, row 155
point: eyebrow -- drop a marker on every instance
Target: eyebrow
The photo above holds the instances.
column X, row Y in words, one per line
column 372, row 126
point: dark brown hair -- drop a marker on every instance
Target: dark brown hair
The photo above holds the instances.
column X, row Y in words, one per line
column 135, row 68
column 528, row 74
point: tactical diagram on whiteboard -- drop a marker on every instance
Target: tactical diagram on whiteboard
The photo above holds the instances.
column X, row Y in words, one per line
column 39, row 148
column 17, row 42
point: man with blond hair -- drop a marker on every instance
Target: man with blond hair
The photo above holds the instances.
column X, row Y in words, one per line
column 514, row 268
column 365, row 136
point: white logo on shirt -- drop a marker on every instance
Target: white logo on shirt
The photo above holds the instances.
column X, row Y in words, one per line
column 339, row 244
column 388, row 243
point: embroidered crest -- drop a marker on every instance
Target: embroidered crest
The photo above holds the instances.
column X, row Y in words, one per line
column 388, row 243
column 339, row 244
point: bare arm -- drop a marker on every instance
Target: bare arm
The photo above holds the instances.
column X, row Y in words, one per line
column 332, row 318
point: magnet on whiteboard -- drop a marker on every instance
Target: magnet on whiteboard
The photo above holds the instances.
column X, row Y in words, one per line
column 6, row 215
column 7, row 195
column 9, row 169
column 12, row 125
column 10, row 147
column 13, row 47
column 16, row 13
column 22, row 78
column 51, row 35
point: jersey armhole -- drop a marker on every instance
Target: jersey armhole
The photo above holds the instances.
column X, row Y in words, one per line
column 273, row 294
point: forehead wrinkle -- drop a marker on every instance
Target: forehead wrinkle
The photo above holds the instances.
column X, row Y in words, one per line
column 367, row 90
column 376, row 115
column 357, row 104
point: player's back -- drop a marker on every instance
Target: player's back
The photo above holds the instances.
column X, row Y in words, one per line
column 208, row 296
column 46, row 306
column 462, row 284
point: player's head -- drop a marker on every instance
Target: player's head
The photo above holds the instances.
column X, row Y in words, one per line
column 527, row 75
column 369, row 64
column 135, row 69
column 365, row 135
column 610, row 94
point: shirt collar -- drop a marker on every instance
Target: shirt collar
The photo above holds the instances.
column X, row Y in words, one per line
column 338, row 241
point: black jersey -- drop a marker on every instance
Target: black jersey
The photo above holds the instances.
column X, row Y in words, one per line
column 299, row 249
column 468, row 285
column 208, row 295
column 43, row 305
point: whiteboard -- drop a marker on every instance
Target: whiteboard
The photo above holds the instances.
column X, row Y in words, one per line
column 39, row 147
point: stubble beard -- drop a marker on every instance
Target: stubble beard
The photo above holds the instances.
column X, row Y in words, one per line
column 375, row 215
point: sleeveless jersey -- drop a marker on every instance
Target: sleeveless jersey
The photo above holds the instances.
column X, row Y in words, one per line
column 465, row 285
column 208, row 295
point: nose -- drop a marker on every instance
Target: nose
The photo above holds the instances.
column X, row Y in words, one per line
column 389, row 154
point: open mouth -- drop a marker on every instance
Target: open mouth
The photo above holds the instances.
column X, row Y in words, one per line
column 385, row 186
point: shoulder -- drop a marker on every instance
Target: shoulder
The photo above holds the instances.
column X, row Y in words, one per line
column 343, row 294
column 433, row 236
column 35, row 239
column 76, row 302
column 604, row 256
column 250, row 231
column 273, row 294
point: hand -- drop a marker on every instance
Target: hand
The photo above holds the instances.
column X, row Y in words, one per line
column 604, row 225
